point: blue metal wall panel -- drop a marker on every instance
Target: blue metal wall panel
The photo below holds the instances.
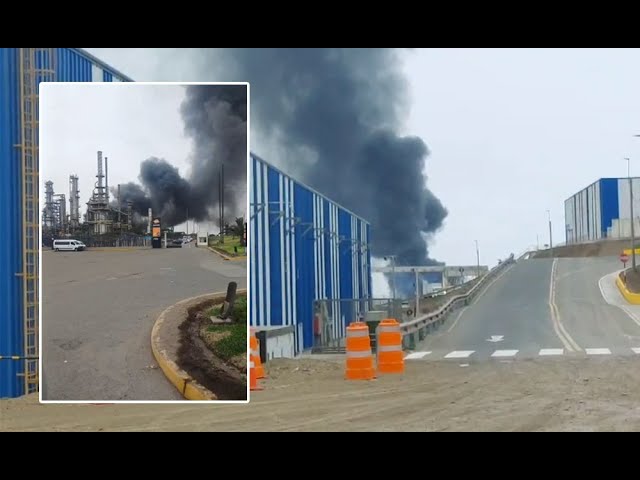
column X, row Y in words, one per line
column 327, row 245
column 297, row 255
column 72, row 65
column 107, row 76
column 11, row 219
column 305, row 267
column 276, row 258
column 608, row 202
column 346, row 266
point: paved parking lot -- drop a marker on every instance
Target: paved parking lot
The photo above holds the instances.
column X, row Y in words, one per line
column 98, row 310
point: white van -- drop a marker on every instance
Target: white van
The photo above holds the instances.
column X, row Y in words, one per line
column 68, row 245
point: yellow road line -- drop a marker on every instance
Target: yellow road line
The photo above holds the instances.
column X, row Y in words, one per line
column 559, row 329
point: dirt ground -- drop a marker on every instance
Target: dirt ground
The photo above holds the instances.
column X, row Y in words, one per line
column 226, row 381
column 592, row 394
column 632, row 280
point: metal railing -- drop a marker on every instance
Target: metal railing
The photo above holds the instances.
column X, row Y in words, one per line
column 416, row 330
column 331, row 317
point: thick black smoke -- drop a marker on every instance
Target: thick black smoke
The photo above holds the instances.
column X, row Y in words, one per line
column 215, row 118
column 337, row 113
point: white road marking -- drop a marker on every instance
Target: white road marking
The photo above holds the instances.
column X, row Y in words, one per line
column 504, row 353
column 495, row 338
column 460, row 354
column 636, row 350
column 559, row 329
column 598, row 351
column 417, row 355
column 548, row 352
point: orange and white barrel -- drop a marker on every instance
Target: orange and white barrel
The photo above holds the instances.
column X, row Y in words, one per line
column 359, row 365
column 389, row 347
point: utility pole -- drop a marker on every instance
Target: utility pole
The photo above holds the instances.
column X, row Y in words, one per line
column 417, row 295
column 633, row 236
column 550, row 235
column 221, row 201
column 477, row 260
column 187, row 221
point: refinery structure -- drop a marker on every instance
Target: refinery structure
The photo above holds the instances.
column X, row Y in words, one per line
column 104, row 216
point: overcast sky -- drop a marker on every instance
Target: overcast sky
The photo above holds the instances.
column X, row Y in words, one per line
column 512, row 133
column 127, row 122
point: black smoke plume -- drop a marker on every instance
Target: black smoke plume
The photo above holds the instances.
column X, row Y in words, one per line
column 215, row 118
column 336, row 113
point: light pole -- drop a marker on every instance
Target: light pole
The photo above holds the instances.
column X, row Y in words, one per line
column 477, row 260
column 550, row 235
column 633, row 240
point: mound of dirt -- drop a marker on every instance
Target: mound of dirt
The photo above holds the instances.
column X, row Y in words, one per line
column 224, row 379
column 632, row 280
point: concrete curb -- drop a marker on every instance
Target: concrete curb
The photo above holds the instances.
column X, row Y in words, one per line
column 632, row 298
column 226, row 257
column 165, row 354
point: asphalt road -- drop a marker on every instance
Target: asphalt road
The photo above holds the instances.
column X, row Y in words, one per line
column 98, row 310
column 588, row 300
column 542, row 307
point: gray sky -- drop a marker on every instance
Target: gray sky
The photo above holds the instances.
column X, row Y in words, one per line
column 512, row 133
column 127, row 122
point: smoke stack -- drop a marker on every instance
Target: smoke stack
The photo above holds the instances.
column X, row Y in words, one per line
column 106, row 179
column 100, row 175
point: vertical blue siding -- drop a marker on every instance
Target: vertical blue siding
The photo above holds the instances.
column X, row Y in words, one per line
column 72, row 65
column 608, row 202
column 11, row 218
column 274, row 248
column 297, row 255
column 346, row 264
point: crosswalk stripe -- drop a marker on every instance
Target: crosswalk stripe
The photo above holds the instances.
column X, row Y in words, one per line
column 417, row 355
column 636, row 350
column 547, row 352
column 504, row 353
column 460, row 354
column 598, row 351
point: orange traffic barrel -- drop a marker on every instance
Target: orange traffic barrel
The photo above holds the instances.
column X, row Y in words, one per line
column 254, row 348
column 359, row 356
column 389, row 347
column 253, row 380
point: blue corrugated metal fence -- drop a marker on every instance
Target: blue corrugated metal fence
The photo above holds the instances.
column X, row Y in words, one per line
column 72, row 65
column 304, row 248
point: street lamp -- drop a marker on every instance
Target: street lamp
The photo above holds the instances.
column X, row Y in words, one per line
column 633, row 240
column 550, row 235
column 477, row 260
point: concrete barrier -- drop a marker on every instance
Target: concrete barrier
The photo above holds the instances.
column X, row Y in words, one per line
column 165, row 342
column 633, row 298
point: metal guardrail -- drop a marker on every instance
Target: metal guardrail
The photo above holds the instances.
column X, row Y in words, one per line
column 416, row 330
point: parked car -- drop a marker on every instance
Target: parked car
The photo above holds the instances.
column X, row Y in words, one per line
column 68, row 245
column 177, row 243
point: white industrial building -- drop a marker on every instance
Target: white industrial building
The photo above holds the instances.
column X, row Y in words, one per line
column 602, row 210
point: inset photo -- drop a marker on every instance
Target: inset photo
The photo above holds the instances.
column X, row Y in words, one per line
column 143, row 198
